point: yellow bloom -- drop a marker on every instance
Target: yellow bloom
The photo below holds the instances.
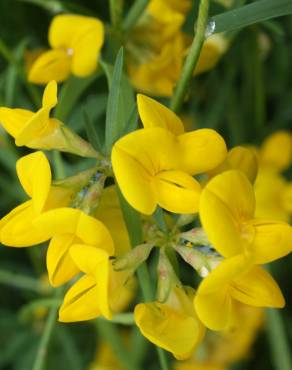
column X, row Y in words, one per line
column 68, row 226
column 38, row 130
column 236, row 278
column 96, row 292
column 227, row 208
column 155, row 165
column 16, row 228
column 239, row 158
column 157, row 47
column 172, row 325
column 76, row 42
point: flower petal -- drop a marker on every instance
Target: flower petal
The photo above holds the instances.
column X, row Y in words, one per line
column 177, row 192
column 154, row 114
column 200, row 151
column 95, row 262
column 80, row 302
column 272, row 241
column 17, row 229
column 73, row 221
column 13, row 120
column 167, row 328
column 226, row 202
column 51, row 65
column 50, row 95
column 34, row 173
column 60, row 265
column 257, row 288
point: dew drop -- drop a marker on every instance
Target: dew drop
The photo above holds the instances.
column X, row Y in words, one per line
column 210, row 28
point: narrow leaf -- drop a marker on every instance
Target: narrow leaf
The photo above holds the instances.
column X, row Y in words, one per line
column 91, row 132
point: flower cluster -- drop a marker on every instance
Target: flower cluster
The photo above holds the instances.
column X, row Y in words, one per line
column 198, row 202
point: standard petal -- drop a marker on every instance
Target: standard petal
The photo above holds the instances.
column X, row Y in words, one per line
column 51, row 65
column 257, row 288
column 154, row 114
column 73, row 221
column 50, row 95
column 95, row 262
column 13, row 120
column 272, row 241
column 60, row 265
column 17, row 229
column 227, row 203
column 200, row 151
column 34, row 173
column 167, row 328
column 177, row 192
column 80, row 302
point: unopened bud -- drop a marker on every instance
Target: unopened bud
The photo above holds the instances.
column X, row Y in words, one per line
column 196, row 236
column 134, row 258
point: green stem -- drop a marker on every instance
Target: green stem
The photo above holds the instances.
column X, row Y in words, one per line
column 22, row 282
column 33, row 92
column 134, row 14
column 278, row 341
column 134, row 227
column 116, row 10
column 192, row 58
column 42, row 351
column 109, row 332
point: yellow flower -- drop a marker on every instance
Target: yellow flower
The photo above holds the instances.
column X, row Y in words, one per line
column 239, row 158
column 235, row 279
column 68, row 226
column 157, row 47
column 227, row 208
column 16, row 228
column 96, row 292
column 76, row 42
column 154, row 166
column 39, row 131
column 172, row 325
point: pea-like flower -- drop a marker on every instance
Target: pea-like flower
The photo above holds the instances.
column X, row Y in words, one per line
column 172, row 325
column 75, row 42
column 154, row 166
column 235, row 279
column 39, row 131
column 227, row 208
column 97, row 291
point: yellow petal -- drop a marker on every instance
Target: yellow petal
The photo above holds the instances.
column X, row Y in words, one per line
column 60, row 265
column 80, row 302
column 154, row 114
column 95, row 262
column 73, row 221
column 34, row 173
column 226, row 203
column 51, row 65
column 177, row 192
column 272, row 241
column 50, row 95
column 271, row 155
column 257, row 288
column 136, row 158
column 17, row 229
column 200, row 151
column 167, row 328
column 13, row 120
column 213, row 302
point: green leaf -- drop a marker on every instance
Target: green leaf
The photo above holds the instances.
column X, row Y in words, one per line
column 70, row 93
column 55, row 6
column 120, row 101
column 246, row 15
column 91, row 132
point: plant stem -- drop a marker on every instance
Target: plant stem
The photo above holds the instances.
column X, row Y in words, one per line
column 21, row 281
column 134, row 14
column 116, row 10
column 109, row 332
column 192, row 58
column 41, row 355
column 134, row 227
column 278, row 341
